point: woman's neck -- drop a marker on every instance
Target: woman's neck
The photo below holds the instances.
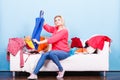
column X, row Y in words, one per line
column 60, row 28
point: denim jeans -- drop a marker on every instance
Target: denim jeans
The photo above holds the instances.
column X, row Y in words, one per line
column 55, row 56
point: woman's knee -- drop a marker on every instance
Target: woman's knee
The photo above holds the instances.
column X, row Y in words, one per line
column 44, row 54
column 50, row 54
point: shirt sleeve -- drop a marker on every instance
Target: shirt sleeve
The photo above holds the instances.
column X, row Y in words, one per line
column 49, row 28
column 58, row 36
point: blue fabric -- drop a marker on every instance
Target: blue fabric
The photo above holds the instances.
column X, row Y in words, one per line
column 72, row 51
column 55, row 56
column 37, row 30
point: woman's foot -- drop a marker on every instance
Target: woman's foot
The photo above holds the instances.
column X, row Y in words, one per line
column 60, row 74
column 32, row 76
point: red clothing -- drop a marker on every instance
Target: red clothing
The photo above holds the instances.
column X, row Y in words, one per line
column 76, row 42
column 14, row 45
column 59, row 39
column 97, row 42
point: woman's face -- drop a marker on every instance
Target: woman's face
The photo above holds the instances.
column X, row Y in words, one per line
column 58, row 21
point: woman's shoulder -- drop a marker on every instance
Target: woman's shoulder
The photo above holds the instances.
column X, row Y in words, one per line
column 65, row 31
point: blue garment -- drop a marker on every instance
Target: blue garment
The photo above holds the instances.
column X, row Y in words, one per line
column 37, row 30
column 55, row 56
column 72, row 51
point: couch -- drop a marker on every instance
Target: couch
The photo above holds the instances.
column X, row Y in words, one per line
column 78, row 62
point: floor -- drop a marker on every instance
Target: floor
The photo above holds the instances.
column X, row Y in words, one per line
column 68, row 76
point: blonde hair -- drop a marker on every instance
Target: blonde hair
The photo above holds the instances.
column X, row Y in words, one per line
column 60, row 17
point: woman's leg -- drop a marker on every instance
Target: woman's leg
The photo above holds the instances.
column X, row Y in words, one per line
column 41, row 62
column 57, row 55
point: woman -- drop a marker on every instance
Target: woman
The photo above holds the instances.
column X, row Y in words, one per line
column 60, row 48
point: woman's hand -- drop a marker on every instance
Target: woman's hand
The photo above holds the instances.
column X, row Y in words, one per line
column 36, row 41
column 40, row 42
column 45, row 23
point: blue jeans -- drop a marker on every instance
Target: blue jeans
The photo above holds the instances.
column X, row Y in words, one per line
column 55, row 56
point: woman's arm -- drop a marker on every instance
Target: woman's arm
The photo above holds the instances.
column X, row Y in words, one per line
column 49, row 28
column 58, row 36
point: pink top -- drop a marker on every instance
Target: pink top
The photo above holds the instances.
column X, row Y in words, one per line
column 59, row 39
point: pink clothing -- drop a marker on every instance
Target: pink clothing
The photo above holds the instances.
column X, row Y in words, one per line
column 98, row 41
column 14, row 45
column 59, row 39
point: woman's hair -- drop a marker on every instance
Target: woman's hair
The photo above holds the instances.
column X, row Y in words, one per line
column 60, row 17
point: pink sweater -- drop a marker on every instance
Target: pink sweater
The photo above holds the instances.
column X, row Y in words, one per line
column 14, row 45
column 59, row 39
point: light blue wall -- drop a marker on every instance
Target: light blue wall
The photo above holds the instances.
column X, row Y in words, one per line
column 83, row 18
